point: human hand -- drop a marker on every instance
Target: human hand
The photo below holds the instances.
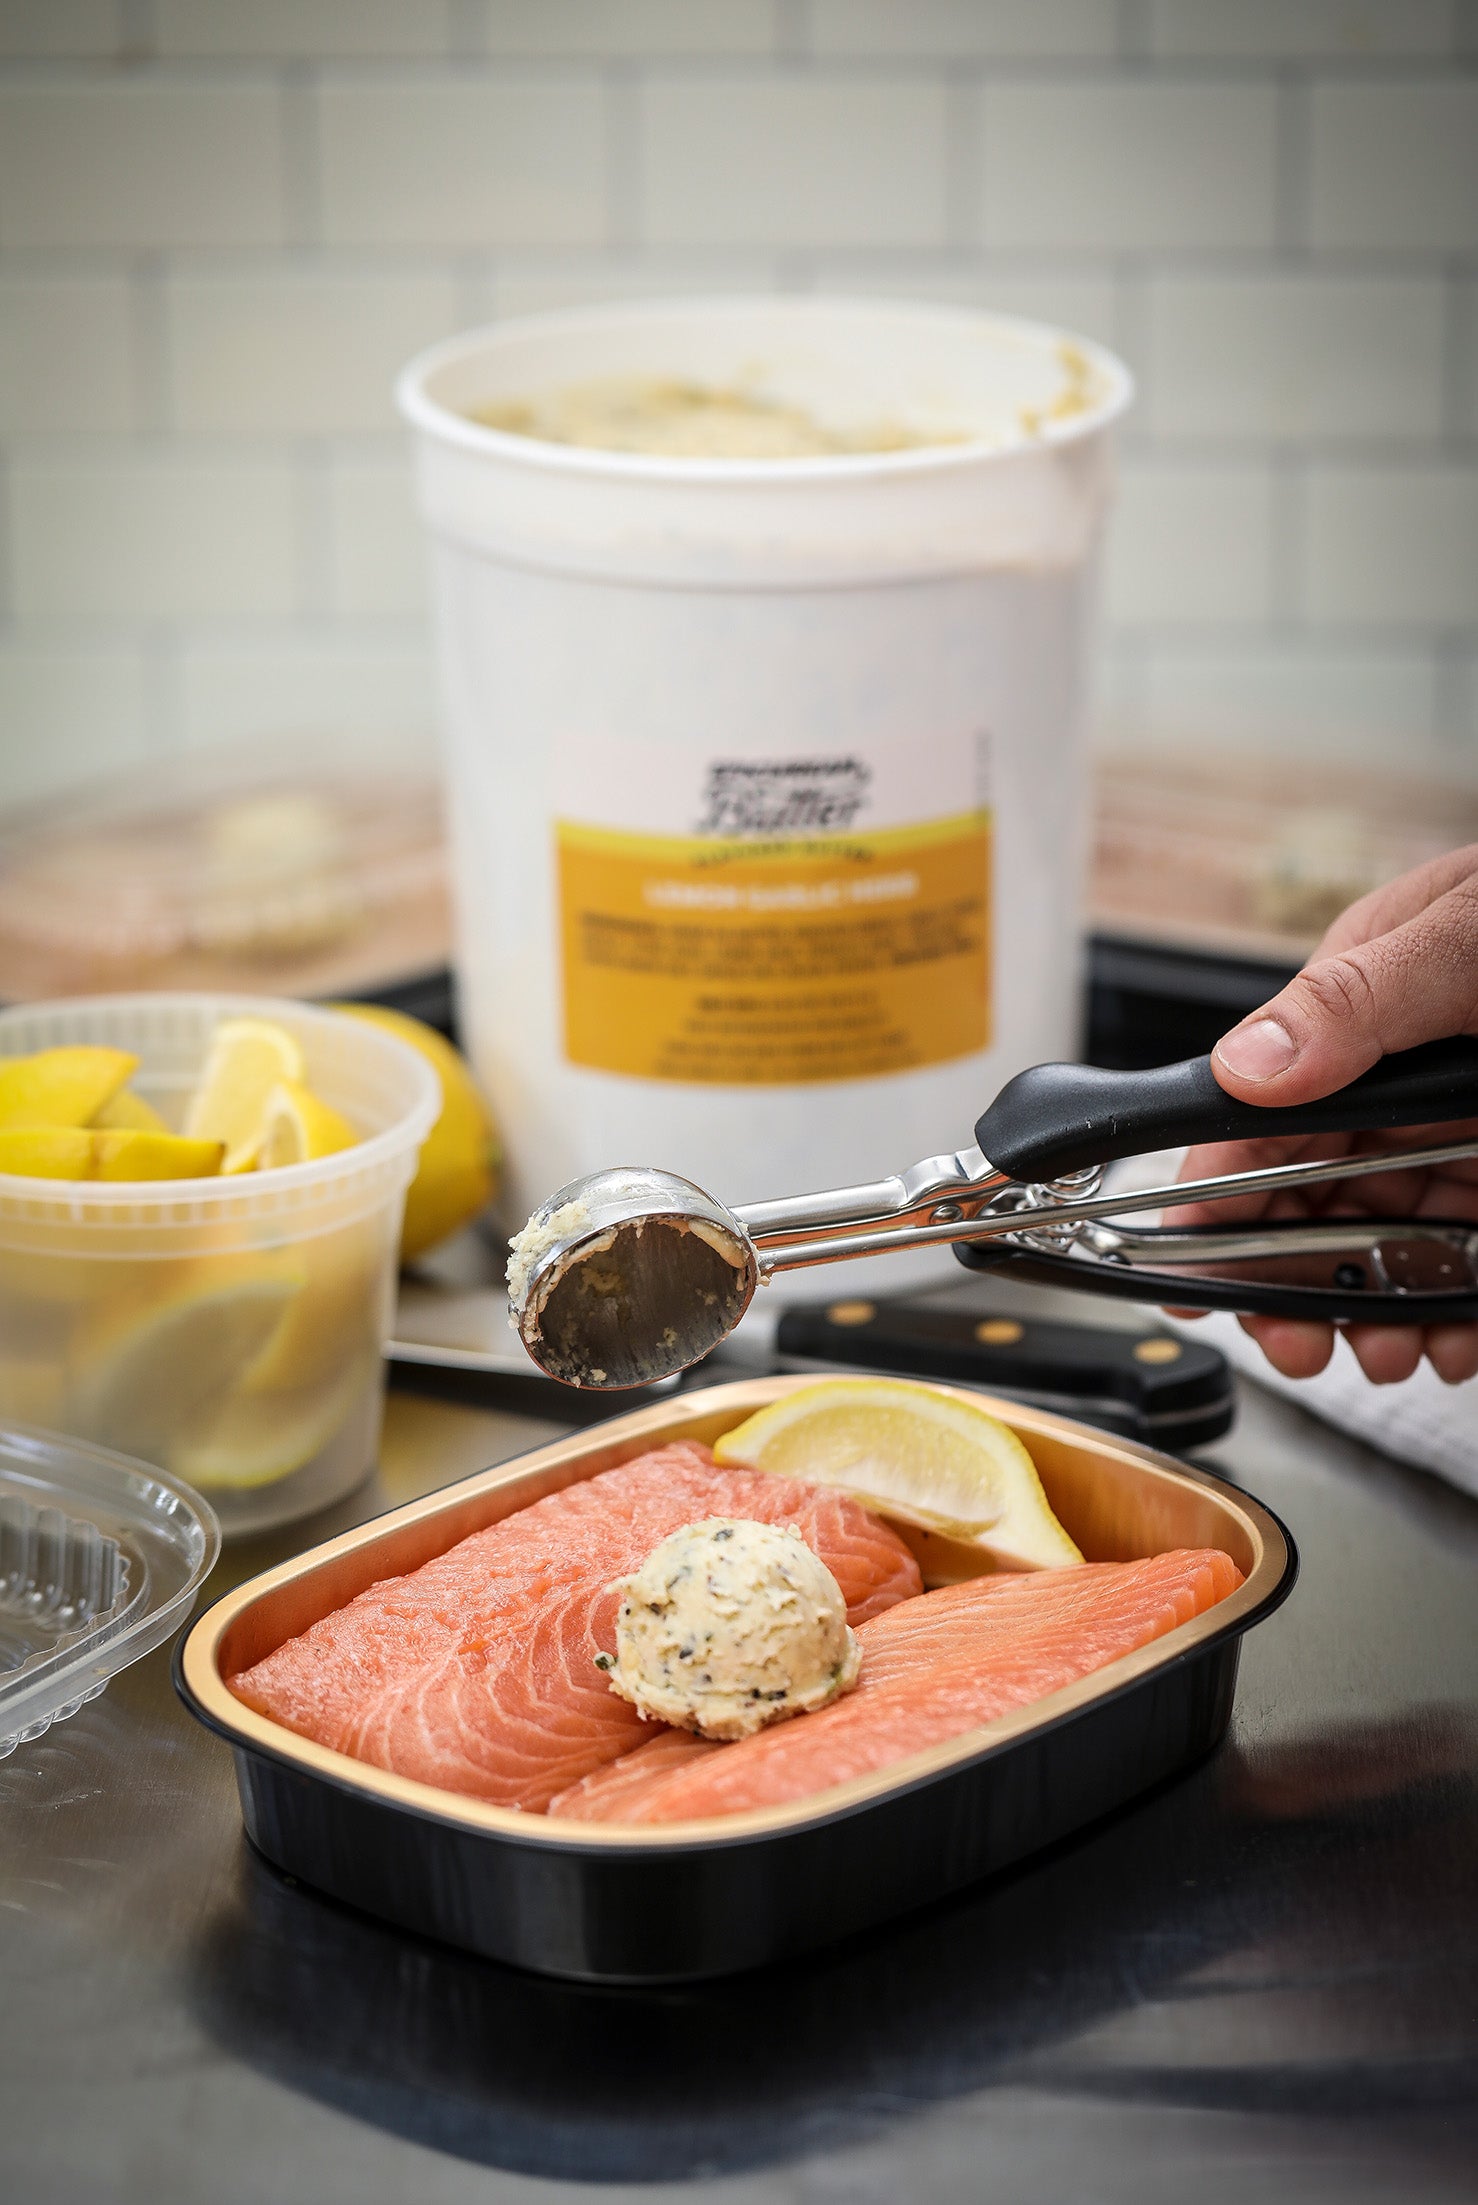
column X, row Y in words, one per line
column 1398, row 968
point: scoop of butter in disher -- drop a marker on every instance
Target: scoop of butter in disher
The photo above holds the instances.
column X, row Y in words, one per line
column 628, row 1276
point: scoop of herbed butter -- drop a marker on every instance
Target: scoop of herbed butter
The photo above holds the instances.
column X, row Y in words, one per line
column 729, row 1625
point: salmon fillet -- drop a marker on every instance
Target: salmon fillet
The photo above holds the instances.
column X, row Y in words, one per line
column 477, row 1672
column 932, row 1669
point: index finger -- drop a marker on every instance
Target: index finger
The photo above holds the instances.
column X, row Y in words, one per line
column 1397, row 901
column 1220, row 1157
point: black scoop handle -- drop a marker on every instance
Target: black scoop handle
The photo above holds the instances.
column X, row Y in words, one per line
column 1062, row 1117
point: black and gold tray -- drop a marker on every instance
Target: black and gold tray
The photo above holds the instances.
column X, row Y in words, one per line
column 606, row 1904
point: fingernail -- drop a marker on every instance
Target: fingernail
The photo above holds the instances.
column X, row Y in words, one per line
column 1259, row 1051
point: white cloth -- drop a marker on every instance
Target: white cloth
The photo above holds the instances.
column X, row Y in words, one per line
column 1420, row 1421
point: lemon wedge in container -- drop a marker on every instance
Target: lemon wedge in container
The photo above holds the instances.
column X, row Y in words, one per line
column 46, row 1151
column 84, row 1152
column 131, row 1154
column 62, row 1087
column 300, row 1128
column 139, row 1376
column 129, row 1113
column 916, row 1454
column 256, row 1440
column 249, row 1059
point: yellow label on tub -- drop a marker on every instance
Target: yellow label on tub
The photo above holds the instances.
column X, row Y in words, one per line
column 744, row 962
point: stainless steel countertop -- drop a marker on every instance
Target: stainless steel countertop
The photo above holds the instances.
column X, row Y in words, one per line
column 1260, row 1983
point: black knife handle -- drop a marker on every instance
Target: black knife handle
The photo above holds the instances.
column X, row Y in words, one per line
column 1167, row 1392
column 1059, row 1118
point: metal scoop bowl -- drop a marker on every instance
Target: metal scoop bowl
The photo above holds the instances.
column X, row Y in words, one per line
column 628, row 1276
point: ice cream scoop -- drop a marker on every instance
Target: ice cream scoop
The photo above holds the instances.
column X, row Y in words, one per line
column 729, row 1625
column 632, row 1274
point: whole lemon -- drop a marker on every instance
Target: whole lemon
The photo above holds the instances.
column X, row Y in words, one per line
column 460, row 1157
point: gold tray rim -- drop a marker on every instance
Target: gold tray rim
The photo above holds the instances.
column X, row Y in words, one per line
column 206, row 1691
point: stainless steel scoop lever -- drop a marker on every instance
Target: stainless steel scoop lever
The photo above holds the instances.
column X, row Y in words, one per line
column 632, row 1274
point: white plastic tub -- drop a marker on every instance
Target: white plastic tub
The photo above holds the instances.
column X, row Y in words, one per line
column 767, row 786
column 229, row 1330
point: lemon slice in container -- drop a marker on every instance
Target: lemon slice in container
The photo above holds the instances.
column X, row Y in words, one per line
column 125, row 1153
column 260, row 1439
column 139, row 1376
column 84, row 1152
column 46, row 1151
column 62, row 1087
column 249, row 1059
column 300, row 1128
column 339, row 1314
column 916, row 1454
column 129, row 1113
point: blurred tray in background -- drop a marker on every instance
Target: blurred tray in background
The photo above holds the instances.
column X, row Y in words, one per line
column 1250, row 857
column 1215, row 875
column 310, row 867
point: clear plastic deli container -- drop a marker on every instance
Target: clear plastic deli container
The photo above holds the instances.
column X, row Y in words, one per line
column 768, row 796
column 229, row 1330
column 100, row 1562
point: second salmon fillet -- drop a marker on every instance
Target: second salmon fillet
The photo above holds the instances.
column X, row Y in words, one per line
column 932, row 1669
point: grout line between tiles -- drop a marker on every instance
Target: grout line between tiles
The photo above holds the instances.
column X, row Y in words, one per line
column 1460, row 358
column 163, row 690
column 794, row 39
column 137, row 42
column 468, row 30
column 962, row 164
column 1453, row 702
column 302, row 164
column 149, row 346
column 624, row 163
column 1293, row 157
column 313, row 499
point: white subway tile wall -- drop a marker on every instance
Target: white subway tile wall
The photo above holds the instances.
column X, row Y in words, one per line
column 225, row 223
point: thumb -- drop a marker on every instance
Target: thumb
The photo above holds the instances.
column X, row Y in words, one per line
column 1342, row 1013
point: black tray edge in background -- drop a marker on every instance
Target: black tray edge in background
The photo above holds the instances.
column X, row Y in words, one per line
column 429, row 996
column 1152, row 1003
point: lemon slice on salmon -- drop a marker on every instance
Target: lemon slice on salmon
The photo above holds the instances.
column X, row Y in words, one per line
column 301, row 1128
column 249, row 1059
column 916, row 1454
column 63, row 1087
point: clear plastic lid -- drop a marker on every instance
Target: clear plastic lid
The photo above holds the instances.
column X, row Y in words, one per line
column 100, row 1561
column 307, row 867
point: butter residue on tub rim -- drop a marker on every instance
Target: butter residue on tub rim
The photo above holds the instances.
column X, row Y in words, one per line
column 676, row 417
